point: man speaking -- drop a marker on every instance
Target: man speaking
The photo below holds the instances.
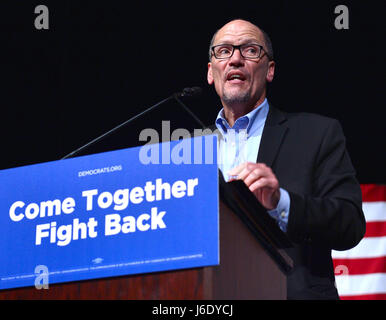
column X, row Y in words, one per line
column 296, row 164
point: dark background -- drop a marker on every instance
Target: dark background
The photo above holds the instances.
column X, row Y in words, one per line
column 102, row 62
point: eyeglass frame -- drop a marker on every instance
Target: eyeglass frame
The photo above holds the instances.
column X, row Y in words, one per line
column 239, row 48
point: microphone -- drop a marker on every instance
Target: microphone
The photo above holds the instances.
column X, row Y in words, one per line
column 187, row 92
column 190, row 92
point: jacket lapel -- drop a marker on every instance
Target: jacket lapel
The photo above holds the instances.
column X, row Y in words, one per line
column 273, row 134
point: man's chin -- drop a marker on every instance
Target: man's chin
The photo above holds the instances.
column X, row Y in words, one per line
column 236, row 98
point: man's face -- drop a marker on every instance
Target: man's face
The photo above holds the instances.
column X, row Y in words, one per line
column 248, row 88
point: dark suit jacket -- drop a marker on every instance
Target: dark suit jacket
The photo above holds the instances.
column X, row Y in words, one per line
column 308, row 155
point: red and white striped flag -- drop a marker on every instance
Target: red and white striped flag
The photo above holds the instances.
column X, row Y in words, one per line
column 360, row 272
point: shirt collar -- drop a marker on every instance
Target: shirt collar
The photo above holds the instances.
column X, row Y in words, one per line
column 245, row 122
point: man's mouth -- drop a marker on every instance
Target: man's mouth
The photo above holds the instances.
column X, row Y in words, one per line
column 235, row 77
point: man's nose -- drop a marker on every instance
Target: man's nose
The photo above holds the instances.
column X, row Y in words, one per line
column 236, row 59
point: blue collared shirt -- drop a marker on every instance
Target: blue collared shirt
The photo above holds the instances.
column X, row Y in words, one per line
column 241, row 143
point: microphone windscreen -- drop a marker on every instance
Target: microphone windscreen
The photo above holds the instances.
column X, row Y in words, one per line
column 192, row 92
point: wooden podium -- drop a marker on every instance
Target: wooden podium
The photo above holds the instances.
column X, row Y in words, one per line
column 253, row 264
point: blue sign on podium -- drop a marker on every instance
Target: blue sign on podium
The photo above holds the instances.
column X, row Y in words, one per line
column 110, row 214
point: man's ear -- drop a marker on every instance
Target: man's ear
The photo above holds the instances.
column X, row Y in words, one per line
column 270, row 71
column 210, row 75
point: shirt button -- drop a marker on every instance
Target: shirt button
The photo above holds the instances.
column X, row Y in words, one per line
column 282, row 214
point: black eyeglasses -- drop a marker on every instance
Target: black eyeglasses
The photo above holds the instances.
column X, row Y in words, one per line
column 247, row 51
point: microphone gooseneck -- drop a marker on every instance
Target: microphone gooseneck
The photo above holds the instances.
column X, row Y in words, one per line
column 187, row 92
